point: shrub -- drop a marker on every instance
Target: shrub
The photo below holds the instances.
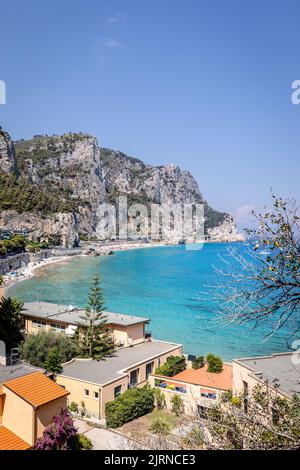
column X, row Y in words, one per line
column 194, row 439
column 177, row 405
column 160, row 425
column 53, row 363
column 37, row 346
column 73, row 407
column 134, row 403
column 236, row 401
column 82, row 409
column 173, row 366
column 160, row 399
column 198, row 362
column 82, row 442
column 59, row 435
column 214, row 363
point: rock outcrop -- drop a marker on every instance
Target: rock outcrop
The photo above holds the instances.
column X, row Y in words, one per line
column 225, row 232
column 7, row 153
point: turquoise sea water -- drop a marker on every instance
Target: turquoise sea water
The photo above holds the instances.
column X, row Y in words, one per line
column 163, row 283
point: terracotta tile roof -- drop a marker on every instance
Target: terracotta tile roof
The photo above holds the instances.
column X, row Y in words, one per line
column 10, row 441
column 36, row 389
column 221, row 381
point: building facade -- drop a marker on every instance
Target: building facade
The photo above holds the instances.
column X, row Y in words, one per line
column 279, row 372
column 28, row 405
column 198, row 389
column 95, row 383
column 126, row 330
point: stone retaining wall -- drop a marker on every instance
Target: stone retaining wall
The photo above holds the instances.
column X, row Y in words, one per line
column 11, row 263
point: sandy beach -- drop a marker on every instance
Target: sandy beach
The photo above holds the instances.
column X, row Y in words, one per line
column 28, row 271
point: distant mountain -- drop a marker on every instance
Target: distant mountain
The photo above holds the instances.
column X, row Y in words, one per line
column 55, row 185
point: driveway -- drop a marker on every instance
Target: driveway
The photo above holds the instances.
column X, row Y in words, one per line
column 103, row 439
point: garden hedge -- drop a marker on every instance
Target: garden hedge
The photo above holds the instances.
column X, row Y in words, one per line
column 132, row 404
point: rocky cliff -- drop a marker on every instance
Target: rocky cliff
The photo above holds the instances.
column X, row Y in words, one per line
column 61, row 182
column 7, row 153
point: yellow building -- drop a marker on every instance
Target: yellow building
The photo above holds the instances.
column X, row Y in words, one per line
column 97, row 382
column 198, row 389
column 28, row 404
column 126, row 330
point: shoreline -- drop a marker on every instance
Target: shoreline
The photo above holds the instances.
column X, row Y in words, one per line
column 27, row 272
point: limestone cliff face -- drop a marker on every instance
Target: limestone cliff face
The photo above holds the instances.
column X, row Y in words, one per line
column 7, row 153
column 163, row 184
column 69, row 166
column 225, row 232
column 75, row 169
column 60, row 225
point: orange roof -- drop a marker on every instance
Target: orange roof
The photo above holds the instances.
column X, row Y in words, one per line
column 36, row 389
column 10, row 441
column 222, row 381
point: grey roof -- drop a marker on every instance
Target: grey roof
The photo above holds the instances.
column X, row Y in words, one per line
column 279, row 370
column 66, row 314
column 112, row 368
column 18, row 370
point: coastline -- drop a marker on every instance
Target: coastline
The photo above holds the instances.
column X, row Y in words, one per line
column 26, row 272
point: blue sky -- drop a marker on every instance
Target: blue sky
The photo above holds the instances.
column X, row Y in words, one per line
column 205, row 84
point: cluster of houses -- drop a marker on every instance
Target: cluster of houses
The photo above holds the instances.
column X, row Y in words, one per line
column 6, row 234
column 29, row 398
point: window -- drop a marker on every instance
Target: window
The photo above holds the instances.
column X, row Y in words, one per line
column 58, row 328
column 134, row 377
column 38, row 324
column 96, row 395
column 210, row 395
column 149, row 369
column 118, row 391
column 86, row 393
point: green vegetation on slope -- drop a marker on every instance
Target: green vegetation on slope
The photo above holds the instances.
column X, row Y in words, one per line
column 18, row 194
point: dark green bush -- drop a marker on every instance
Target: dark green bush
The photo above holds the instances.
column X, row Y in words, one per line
column 198, row 362
column 82, row 442
column 134, row 403
column 173, row 366
column 214, row 363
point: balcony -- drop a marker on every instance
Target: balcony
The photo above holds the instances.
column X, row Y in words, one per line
column 170, row 387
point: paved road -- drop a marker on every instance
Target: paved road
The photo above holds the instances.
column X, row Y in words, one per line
column 103, row 439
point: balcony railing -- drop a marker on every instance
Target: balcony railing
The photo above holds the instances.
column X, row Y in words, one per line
column 170, row 387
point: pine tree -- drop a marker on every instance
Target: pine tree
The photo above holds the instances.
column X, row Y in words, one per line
column 53, row 361
column 95, row 341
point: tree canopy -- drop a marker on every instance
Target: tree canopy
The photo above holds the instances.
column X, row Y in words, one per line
column 36, row 348
column 10, row 322
column 262, row 284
